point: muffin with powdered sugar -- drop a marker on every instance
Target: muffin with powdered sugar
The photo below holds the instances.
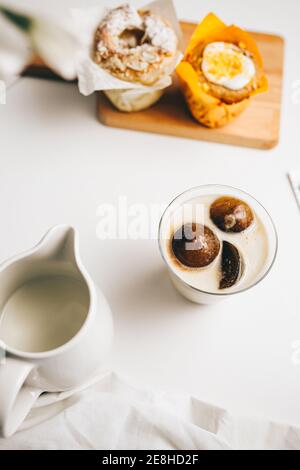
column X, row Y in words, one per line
column 135, row 46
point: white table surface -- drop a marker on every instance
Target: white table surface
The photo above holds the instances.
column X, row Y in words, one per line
column 58, row 164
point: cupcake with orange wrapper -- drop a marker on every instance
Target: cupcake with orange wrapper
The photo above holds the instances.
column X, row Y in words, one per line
column 220, row 72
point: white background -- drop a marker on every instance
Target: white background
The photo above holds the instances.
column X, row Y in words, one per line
column 58, row 164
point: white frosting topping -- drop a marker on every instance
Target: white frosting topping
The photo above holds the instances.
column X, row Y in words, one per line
column 160, row 35
column 156, row 33
column 121, row 18
column 227, row 65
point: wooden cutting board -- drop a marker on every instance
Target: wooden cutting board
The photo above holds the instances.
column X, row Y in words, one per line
column 257, row 127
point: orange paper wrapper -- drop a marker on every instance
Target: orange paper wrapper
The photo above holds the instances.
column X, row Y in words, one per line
column 206, row 108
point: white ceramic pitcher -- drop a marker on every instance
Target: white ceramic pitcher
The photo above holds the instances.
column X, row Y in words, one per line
column 24, row 375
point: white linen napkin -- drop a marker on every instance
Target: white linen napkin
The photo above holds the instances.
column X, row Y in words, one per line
column 116, row 415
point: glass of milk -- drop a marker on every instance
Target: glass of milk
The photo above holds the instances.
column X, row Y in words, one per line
column 256, row 245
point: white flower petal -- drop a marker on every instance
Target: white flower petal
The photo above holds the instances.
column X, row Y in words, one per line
column 15, row 51
column 56, row 45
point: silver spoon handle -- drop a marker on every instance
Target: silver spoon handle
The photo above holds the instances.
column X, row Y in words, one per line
column 294, row 179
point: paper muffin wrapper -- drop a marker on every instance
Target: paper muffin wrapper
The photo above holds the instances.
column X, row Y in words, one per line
column 126, row 101
column 126, row 96
column 208, row 110
column 213, row 116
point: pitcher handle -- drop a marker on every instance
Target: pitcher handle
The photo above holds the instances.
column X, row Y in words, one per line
column 16, row 399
